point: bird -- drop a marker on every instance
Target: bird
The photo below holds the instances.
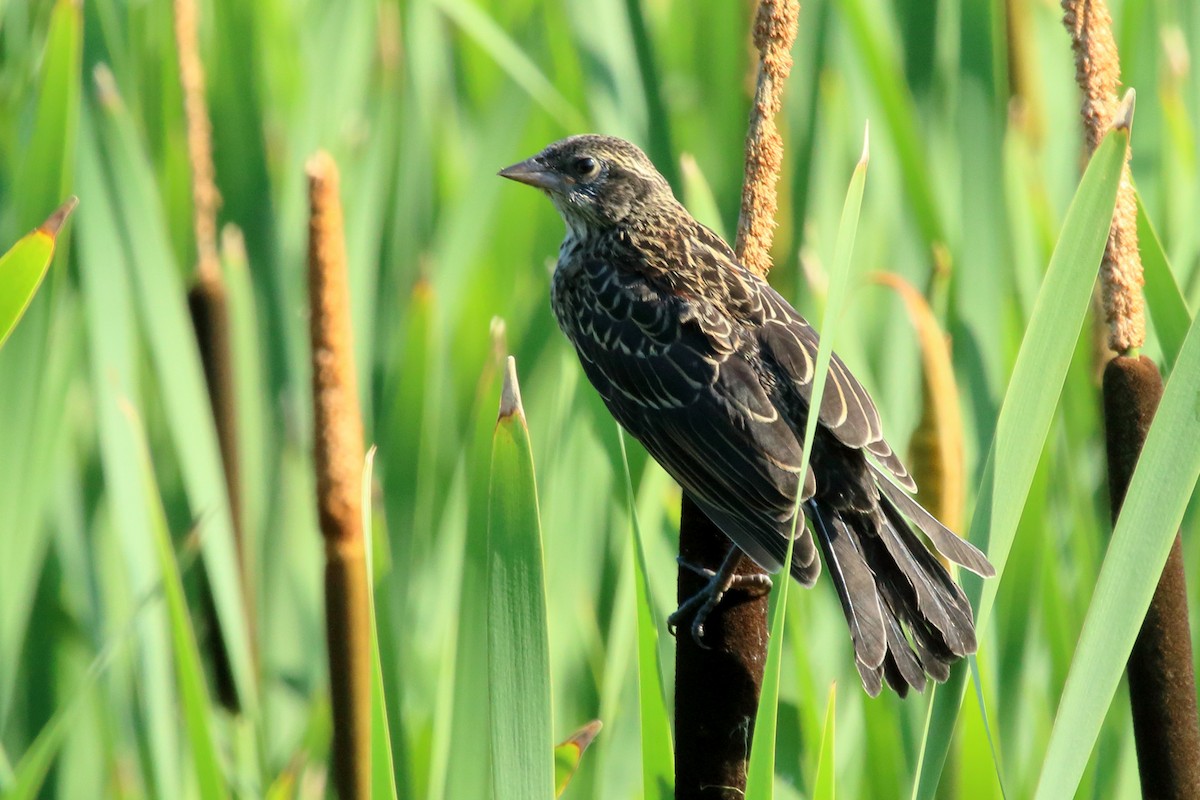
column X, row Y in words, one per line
column 711, row 369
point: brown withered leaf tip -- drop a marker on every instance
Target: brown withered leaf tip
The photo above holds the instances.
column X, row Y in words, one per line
column 55, row 221
column 510, row 395
column 106, row 86
column 1123, row 119
column 584, row 736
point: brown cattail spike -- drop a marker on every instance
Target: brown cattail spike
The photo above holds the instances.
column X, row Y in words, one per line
column 775, row 28
column 338, row 446
column 1098, row 73
column 205, row 197
column 339, row 442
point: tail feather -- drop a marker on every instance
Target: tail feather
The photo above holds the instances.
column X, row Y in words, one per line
column 953, row 547
column 856, row 588
column 908, row 618
column 938, row 599
column 902, row 667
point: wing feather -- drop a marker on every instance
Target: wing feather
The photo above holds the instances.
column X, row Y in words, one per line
column 678, row 380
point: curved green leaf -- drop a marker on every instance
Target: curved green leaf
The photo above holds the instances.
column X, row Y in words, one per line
column 1168, row 310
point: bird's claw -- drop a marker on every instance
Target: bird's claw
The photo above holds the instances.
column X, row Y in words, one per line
column 704, row 601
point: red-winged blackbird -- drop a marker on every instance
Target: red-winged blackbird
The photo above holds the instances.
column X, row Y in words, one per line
column 712, row 371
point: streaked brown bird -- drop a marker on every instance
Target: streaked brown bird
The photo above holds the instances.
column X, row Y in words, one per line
column 712, row 371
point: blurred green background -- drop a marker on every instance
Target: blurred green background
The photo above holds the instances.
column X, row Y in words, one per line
column 975, row 153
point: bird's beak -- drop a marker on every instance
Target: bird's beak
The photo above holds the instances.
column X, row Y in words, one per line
column 534, row 174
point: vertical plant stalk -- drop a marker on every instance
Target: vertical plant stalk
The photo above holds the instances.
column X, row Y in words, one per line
column 210, row 316
column 1162, row 695
column 338, row 456
column 717, row 689
column 1161, row 680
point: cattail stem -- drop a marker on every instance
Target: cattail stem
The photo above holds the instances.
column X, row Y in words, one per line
column 338, row 455
column 1161, row 677
column 1161, row 674
column 210, row 315
column 713, row 729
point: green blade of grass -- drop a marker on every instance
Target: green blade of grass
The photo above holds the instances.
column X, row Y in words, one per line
column 189, row 672
column 518, row 650
column 24, row 266
column 112, row 348
column 161, row 302
column 1168, row 309
column 30, row 773
column 823, row 786
column 900, row 115
column 383, row 771
column 1158, row 494
column 658, row 123
column 760, row 772
column 46, row 169
column 484, row 31
column 658, row 761
column 1026, row 413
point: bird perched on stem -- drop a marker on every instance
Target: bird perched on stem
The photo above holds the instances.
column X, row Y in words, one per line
column 712, row 371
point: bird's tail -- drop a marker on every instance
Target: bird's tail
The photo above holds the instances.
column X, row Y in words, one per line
column 908, row 618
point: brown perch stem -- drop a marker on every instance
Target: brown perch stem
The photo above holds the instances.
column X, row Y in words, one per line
column 717, row 690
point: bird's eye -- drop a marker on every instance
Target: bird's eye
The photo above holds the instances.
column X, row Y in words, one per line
column 586, row 167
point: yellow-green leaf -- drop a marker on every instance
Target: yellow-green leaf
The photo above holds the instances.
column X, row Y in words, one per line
column 24, row 266
column 567, row 754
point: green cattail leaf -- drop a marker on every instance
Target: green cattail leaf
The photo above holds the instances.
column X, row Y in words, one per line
column 1164, row 300
column 161, row 303
column 1026, row 413
column 658, row 760
column 46, row 169
column 481, row 28
column 823, row 786
column 383, row 771
column 189, row 671
column 111, row 355
column 518, row 648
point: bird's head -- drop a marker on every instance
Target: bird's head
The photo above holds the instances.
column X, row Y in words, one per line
column 594, row 181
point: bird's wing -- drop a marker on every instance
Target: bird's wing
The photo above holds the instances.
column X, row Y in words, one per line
column 847, row 410
column 672, row 371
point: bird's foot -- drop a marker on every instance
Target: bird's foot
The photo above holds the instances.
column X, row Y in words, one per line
column 719, row 583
